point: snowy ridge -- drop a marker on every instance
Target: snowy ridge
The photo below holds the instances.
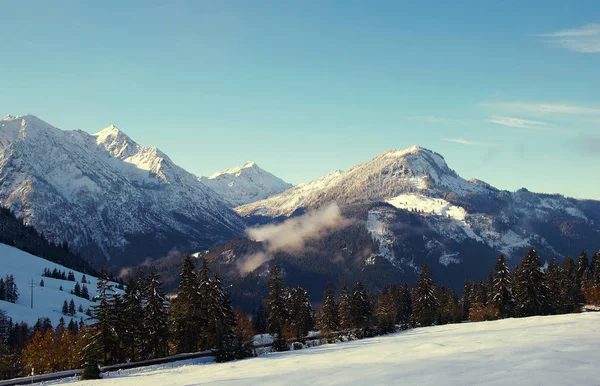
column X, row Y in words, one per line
column 245, row 184
column 389, row 174
column 96, row 191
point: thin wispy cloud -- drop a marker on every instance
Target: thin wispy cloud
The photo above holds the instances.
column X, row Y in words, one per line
column 466, row 142
column 584, row 39
column 519, row 123
column 544, row 108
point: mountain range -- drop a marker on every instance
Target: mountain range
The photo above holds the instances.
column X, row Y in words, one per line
column 115, row 201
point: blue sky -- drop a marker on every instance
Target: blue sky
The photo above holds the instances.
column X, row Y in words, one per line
column 508, row 92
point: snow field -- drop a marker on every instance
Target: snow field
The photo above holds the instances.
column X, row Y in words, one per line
column 543, row 350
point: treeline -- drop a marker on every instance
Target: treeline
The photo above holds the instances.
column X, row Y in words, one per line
column 24, row 237
column 142, row 325
column 41, row 347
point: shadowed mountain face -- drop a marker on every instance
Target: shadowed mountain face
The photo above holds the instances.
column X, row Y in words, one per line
column 111, row 199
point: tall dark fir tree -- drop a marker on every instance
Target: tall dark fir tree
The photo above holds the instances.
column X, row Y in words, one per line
column 502, row 295
column 424, row 299
column 530, row 296
column 185, row 317
column 329, row 314
column 156, row 322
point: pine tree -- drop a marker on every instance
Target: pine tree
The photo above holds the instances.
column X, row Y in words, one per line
column 223, row 320
column 84, row 292
column 133, row 327
column 101, row 335
column 571, row 289
column 582, row 266
column 554, row 281
column 83, row 279
column 386, row 310
column 502, row 295
column 156, row 323
column 71, row 276
column 205, row 294
column 404, row 305
column 65, row 308
column 530, row 296
column 424, row 299
column 42, row 283
column 360, row 307
column 184, row 310
column 72, row 308
column 276, row 309
column 77, row 290
column 329, row 316
column 301, row 318
column 259, row 319
column 344, row 309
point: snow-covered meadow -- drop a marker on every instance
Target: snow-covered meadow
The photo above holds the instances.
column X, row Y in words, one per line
column 48, row 300
column 543, row 350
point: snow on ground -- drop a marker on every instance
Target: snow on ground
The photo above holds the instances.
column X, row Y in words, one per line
column 47, row 300
column 544, row 350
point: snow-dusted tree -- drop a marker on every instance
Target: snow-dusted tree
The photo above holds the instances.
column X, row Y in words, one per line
column 502, row 295
column 156, row 323
column 329, row 320
column 424, row 299
column 300, row 312
column 582, row 266
column 222, row 319
column 530, row 290
column 184, row 314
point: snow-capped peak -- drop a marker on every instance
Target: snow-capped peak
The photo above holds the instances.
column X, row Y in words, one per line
column 388, row 174
column 244, row 184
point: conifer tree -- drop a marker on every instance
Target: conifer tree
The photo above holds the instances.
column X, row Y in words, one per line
column 502, row 290
column 344, row 309
column 205, row 294
column 84, row 292
column 77, row 290
column 572, row 294
column 133, row 326
column 404, row 307
column 360, row 307
column 65, row 308
column 424, row 299
column 72, row 308
column 386, row 310
column 301, row 318
column 530, row 291
column 554, row 281
column 276, row 308
column 184, row 310
column 223, row 321
column 101, row 335
column 259, row 319
column 156, row 323
column 42, row 283
column 329, row 316
column 582, row 266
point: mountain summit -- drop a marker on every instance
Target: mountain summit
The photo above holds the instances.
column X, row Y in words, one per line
column 245, row 184
column 106, row 195
column 411, row 170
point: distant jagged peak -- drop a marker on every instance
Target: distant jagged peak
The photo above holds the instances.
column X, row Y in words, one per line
column 237, row 170
column 19, row 127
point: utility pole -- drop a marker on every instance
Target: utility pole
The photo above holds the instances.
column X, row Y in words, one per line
column 32, row 284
